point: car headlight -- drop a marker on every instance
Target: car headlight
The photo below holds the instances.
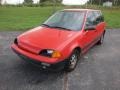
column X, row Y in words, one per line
column 50, row 53
column 16, row 41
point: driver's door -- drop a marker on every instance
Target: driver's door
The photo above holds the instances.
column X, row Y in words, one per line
column 89, row 36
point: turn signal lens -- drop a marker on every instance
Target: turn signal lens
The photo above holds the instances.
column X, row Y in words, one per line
column 56, row 54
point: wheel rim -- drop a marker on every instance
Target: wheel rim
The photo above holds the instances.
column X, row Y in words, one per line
column 73, row 61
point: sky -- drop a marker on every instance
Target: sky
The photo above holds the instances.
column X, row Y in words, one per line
column 74, row 2
column 66, row 2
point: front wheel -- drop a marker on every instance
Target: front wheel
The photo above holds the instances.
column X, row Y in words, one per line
column 72, row 61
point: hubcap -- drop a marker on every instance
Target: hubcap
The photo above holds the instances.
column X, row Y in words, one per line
column 73, row 61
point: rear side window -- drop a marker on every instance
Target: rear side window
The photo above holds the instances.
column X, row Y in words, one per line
column 94, row 18
column 99, row 17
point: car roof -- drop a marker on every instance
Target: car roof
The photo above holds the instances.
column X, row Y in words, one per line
column 81, row 10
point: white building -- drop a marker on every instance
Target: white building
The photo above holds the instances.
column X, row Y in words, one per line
column 108, row 4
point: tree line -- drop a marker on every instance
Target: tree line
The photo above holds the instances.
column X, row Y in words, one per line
column 40, row 1
column 92, row 2
column 100, row 2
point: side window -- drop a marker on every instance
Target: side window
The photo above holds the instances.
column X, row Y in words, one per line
column 90, row 19
column 98, row 16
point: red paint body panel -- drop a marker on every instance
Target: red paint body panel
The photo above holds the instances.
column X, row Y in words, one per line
column 32, row 42
column 46, row 38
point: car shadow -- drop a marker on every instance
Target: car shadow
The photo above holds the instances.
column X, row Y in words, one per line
column 36, row 75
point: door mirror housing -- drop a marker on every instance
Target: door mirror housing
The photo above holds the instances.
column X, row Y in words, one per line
column 89, row 28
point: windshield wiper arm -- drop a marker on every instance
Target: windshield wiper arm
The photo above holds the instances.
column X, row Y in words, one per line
column 62, row 28
column 56, row 27
column 46, row 25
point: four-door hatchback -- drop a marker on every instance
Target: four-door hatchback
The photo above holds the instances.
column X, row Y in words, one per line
column 59, row 42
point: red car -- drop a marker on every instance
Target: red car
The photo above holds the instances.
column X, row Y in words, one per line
column 60, row 41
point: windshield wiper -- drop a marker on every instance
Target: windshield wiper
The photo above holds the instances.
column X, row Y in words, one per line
column 56, row 27
column 46, row 25
column 62, row 28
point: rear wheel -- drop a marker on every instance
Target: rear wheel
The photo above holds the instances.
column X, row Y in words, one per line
column 72, row 61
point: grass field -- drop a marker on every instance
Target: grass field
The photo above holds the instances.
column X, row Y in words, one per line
column 23, row 18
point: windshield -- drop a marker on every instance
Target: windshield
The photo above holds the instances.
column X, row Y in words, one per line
column 71, row 20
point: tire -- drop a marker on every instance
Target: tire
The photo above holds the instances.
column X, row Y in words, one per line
column 72, row 61
column 101, row 40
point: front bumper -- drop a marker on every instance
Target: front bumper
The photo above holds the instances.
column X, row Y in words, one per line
column 38, row 60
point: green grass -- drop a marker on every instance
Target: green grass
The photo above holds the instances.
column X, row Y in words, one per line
column 23, row 18
column 112, row 17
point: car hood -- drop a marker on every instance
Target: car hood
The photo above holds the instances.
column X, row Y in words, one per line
column 44, row 38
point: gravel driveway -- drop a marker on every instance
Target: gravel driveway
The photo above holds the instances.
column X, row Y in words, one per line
column 98, row 70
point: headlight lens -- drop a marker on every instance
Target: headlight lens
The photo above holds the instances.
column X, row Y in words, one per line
column 51, row 53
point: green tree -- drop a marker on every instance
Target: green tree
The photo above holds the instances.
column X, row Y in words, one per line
column 41, row 1
column 100, row 2
column 28, row 1
column 58, row 1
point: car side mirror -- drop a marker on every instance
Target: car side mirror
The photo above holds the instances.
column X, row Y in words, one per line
column 90, row 28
